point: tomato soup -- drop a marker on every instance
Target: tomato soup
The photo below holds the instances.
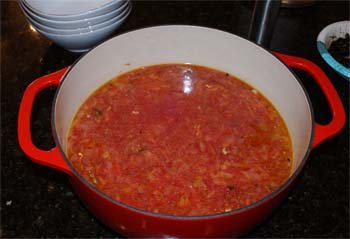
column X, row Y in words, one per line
column 180, row 139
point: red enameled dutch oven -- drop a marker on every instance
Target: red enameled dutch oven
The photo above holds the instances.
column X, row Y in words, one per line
column 267, row 72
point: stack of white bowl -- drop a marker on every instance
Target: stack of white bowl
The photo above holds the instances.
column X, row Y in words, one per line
column 76, row 25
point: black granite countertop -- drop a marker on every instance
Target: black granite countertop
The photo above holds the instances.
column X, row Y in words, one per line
column 39, row 202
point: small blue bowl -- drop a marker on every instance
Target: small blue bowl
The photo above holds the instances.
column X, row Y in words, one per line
column 324, row 39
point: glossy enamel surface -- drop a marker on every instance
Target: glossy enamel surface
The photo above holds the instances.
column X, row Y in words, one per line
column 221, row 50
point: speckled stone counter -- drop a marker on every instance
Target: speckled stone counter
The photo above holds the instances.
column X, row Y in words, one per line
column 39, row 202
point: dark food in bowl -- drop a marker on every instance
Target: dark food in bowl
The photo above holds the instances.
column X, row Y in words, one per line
column 340, row 50
column 180, row 139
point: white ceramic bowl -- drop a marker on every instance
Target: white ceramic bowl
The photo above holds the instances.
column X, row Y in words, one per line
column 82, row 42
column 95, row 27
column 324, row 40
column 67, row 10
column 72, row 24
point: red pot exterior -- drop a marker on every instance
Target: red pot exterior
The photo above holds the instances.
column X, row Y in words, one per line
column 134, row 223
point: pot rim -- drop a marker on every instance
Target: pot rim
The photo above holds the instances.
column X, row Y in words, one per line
column 266, row 198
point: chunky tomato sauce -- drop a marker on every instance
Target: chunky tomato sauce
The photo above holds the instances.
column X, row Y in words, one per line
column 180, row 140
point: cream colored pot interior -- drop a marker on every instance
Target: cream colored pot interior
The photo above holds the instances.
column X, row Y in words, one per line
column 188, row 44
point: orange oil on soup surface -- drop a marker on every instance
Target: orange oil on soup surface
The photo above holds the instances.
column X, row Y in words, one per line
column 181, row 140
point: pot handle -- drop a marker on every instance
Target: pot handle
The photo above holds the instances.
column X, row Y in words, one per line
column 321, row 132
column 51, row 158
